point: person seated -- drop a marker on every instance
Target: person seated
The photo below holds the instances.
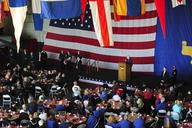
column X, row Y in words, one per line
column 78, row 107
column 24, row 109
column 177, row 109
column 32, row 107
column 189, row 114
column 24, row 123
column 161, row 105
column 63, row 125
column 76, row 90
column 104, row 94
column 40, row 106
column 139, row 122
column 168, row 121
column 117, row 105
column 51, row 122
column 86, row 95
column 147, row 94
column 124, row 122
column 111, row 122
column 94, row 118
column 43, row 116
column 140, row 105
column 12, row 124
column 59, row 106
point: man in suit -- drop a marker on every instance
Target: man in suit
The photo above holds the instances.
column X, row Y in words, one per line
column 174, row 75
column 61, row 59
column 43, row 59
column 164, row 76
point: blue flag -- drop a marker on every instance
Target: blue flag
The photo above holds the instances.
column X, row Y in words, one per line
column 37, row 19
column 18, row 3
column 56, row 9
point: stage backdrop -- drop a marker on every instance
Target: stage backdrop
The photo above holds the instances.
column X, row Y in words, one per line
column 168, row 52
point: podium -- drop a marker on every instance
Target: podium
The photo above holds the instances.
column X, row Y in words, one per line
column 124, row 72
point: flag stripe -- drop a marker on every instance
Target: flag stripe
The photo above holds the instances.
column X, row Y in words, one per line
column 102, row 57
column 133, row 36
column 104, row 51
column 103, row 21
column 117, row 37
column 94, row 42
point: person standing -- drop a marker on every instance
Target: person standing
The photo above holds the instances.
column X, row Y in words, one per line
column 174, row 75
column 78, row 63
column 61, row 59
column 164, row 76
column 43, row 59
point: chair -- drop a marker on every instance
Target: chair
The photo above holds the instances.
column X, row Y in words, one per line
column 38, row 91
column 65, row 89
column 53, row 91
column 6, row 100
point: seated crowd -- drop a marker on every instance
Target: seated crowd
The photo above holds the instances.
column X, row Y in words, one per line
column 47, row 99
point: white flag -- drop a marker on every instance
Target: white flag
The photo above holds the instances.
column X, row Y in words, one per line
column 176, row 3
column 18, row 16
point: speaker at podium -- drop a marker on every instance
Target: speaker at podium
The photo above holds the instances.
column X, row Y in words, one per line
column 124, row 72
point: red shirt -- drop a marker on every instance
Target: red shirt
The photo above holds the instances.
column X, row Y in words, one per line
column 147, row 95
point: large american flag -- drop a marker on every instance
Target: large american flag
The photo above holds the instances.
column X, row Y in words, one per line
column 133, row 36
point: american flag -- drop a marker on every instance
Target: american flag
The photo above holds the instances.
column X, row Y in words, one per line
column 133, row 36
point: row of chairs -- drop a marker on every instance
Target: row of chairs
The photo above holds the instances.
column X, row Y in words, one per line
column 55, row 90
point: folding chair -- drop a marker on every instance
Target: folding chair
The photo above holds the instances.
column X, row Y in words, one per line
column 38, row 91
column 7, row 100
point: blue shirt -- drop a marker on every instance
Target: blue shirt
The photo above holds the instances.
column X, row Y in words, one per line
column 51, row 123
column 124, row 124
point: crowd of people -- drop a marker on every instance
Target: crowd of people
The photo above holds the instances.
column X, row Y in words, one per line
column 39, row 100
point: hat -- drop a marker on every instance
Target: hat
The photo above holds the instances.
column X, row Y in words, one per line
column 116, row 98
column 24, row 122
column 40, row 122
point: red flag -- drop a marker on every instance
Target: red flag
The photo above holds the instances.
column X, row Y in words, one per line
column 2, row 11
column 83, row 6
column 101, row 14
column 160, row 6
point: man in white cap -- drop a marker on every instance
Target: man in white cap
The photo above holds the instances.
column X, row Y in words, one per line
column 76, row 90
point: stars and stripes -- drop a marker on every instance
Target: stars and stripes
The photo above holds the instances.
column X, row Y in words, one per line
column 133, row 36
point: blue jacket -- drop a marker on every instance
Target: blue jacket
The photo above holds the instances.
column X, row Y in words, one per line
column 51, row 123
column 160, row 106
column 138, row 123
column 63, row 125
column 59, row 107
column 94, row 118
column 104, row 95
column 124, row 124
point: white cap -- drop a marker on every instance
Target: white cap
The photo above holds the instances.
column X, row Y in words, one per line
column 116, row 98
column 40, row 123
